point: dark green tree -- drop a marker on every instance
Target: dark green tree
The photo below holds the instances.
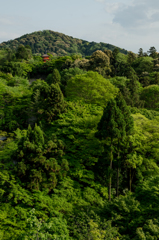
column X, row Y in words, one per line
column 111, row 127
column 140, row 53
column 134, row 88
column 48, row 101
column 39, row 160
column 54, row 77
column 152, row 52
column 114, row 63
column 145, row 54
column 10, row 55
column 126, row 131
column 144, row 79
column 131, row 57
column 115, row 52
column 55, row 103
column 23, row 52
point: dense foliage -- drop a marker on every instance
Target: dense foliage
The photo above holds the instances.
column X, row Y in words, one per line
column 79, row 149
column 57, row 44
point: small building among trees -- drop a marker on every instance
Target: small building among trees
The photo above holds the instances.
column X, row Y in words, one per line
column 45, row 57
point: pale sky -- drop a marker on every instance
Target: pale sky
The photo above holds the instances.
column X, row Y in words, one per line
column 129, row 24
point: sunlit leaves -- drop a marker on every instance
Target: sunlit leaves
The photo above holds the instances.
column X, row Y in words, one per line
column 91, row 88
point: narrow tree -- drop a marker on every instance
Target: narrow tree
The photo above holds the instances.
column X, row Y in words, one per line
column 140, row 53
column 54, row 77
column 113, row 61
column 133, row 86
column 129, row 123
column 111, row 126
column 115, row 52
column 131, row 57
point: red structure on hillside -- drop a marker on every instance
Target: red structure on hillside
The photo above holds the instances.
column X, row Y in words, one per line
column 45, row 57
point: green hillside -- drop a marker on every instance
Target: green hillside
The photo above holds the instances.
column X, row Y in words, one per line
column 57, row 44
column 79, row 146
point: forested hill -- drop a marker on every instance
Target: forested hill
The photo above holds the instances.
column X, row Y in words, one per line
column 79, row 147
column 58, row 44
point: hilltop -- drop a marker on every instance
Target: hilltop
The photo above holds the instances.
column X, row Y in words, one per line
column 78, row 143
column 57, row 44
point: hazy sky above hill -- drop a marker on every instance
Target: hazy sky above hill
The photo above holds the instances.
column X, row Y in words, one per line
column 128, row 24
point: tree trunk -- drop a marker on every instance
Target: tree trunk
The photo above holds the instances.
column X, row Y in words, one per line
column 117, row 183
column 130, row 180
column 110, row 178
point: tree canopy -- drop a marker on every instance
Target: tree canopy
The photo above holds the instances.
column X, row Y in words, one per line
column 91, row 88
column 79, row 149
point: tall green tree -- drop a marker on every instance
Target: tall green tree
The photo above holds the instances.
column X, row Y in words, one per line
column 126, row 131
column 114, row 62
column 111, row 127
column 140, row 53
column 134, row 88
column 115, row 52
column 54, row 77
column 131, row 57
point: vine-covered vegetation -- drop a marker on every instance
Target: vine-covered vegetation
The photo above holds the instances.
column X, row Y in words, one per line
column 79, row 146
